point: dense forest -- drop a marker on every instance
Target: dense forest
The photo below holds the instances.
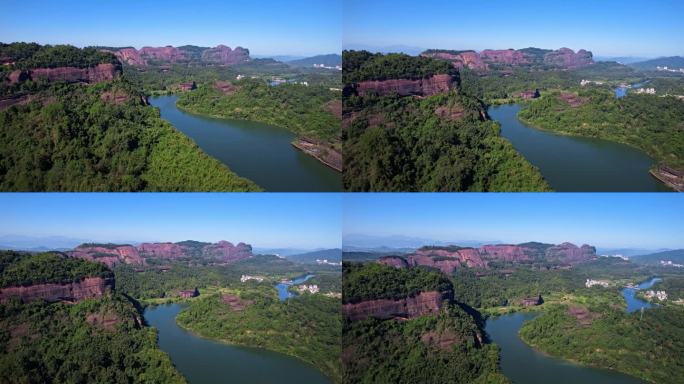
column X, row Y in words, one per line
column 439, row 143
column 92, row 341
column 652, row 124
column 443, row 348
column 299, row 108
column 102, row 138
column 99, row 137
column 307, row 327
column 19, row 268
column 648, row 346
column 376, row 281
column 360, row 66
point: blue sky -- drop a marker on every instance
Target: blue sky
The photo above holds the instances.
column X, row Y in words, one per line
column 600, row 219
column 643, row 28
column 266, row 27
column 261, row 219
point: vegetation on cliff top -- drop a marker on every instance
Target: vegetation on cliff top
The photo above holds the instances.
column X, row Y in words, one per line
column 370, row 281
column 360, row 66
column 652, row 124
column 307, row 327
column 32, row 55
column 19, row 268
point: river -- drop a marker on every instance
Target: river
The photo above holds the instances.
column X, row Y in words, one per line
column 206, row 361
column 578, row 164
column 259, row 152
column 524, row 365
column 633, row 302
column 284, row 286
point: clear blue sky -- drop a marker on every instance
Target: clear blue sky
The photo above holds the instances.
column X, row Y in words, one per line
column 600, row 219
column 606, row 27
column 261, row 219
column 266, row 27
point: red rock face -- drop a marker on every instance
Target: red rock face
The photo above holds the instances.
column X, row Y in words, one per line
column 88, row 288
column 228, row 252
column 447, row 260
column 167, row 53
column 161, row 250
column 505, row 252
column 130, row 56
column 128, row 254
column 423, row 87
column 422, row 304
column 224, row 55
column 568, row 59
column 504, row 56
column 570, row 253
column 101, row 72
column 394, row 261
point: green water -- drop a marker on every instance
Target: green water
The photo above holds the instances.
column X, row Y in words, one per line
column 259, row 152
column 524, row 365
column 204, row 361
column 578, row 164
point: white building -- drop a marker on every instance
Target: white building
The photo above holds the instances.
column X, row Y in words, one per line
column 244, row 278
column 660, row 295
column 313, row 288
column 669, row 263
column 325, row 261
column 650, row 91
column 591, row 283
column 240, row 77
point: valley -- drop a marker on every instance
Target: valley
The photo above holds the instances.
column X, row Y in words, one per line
column 80, row 143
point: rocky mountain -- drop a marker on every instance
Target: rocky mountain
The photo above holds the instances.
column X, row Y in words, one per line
column 449, row 258
column 88, row 288
column 112, row 254
column 423, row 303
column 96, row 74
column 219, row 55
column 404, row 87
column 489, row 59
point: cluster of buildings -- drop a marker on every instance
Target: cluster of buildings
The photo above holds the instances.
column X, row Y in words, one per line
column 323, row 66
column 666, row 69
column 660, row 295
column 618, row 256
column 586, row 82
column 591, row 282
column 275, row 81
column 650, row 91
column 244, row 278
column 337, row 295
column 325, row 261
column 240, row 77
column 313, row 288
column 669, row 263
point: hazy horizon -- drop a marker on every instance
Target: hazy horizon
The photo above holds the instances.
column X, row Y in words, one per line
column 607, row 28
column 306, row 221
column 623, row 220
column 265, row 27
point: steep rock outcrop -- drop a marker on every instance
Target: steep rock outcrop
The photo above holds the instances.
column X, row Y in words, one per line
column 424, row 303
column 569, row 253
column 403, row 87
column 161, row 250
column 168, row 53
column 567, row 58
column 224, row 55
column 226, row 251
column 109, row 255
column 447, row 259
column 393, row 261
column 130, row 56
column 96, row 74
column 88, row 288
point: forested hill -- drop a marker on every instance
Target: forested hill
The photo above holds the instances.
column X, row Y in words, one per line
column 676, row 256
column 329, row 60
column 673, row 62
column 99, row 137
column 414, row 129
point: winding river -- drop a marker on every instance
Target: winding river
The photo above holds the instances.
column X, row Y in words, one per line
column 284, row 286
column 523, row 364
column 578, row 164
column 205, row 361
column 259, row 152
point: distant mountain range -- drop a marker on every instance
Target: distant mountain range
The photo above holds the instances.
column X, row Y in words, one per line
column 332, row 255
column 676, row 256
column 329, row 60
column 651, row 65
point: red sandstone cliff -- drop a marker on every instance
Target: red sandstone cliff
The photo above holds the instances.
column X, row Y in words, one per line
column 570, row 253
column 167, row 53
column 568, row 59
column 88, row 288
column 564, row 58
column 423, row 303
column 224, row 55
column 403, row 87
column 101, row 72
column 128, row 254
column 394, row 261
